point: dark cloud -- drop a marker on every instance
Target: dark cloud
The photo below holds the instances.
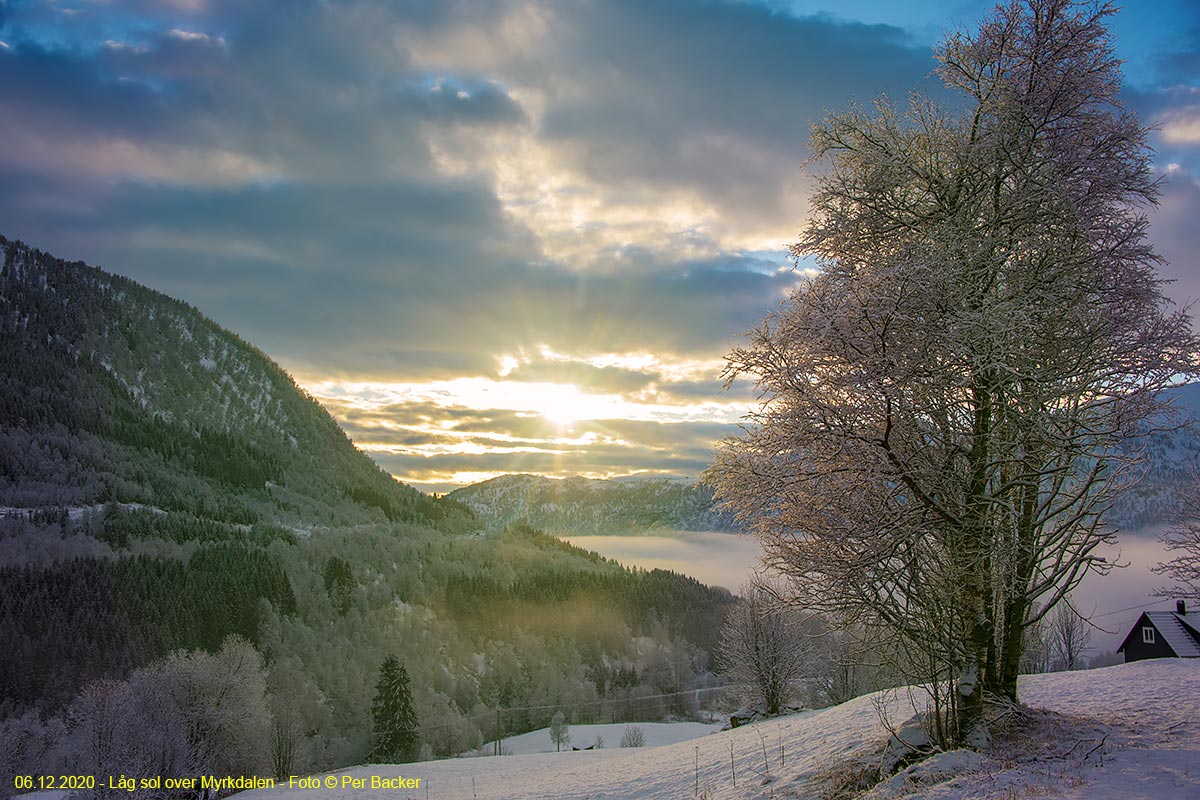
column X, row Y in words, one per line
column 60, row 93
column 409, row 280
column 712, row 95
column 379, row 425
column 313, row 89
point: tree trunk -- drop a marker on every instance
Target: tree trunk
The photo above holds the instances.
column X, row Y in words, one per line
column 1013, row 644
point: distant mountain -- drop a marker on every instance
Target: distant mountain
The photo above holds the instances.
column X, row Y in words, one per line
column 588, row 506
column 584, row 505
column 111, row 392
column 1171, row 460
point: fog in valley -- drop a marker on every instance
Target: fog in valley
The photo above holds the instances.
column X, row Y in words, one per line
column 1113, row 601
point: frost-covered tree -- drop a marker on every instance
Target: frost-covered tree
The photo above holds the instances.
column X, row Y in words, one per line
column 944, row 402
column 1071, row 636
column 560, row 733
column 32, row 746
column 287, row 741
column 1182, row 540
column 97, row 731
column 1037, row 651
column 192, row 713
column 765, row 648
column 395, row 729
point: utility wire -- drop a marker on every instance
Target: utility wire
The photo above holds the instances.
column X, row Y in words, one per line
column 610, row 700
column 1132, row 608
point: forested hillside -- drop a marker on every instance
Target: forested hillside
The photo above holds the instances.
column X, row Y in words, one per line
column 584, row 505
column 1171, row 459
column 199, row 572
column 110, row 391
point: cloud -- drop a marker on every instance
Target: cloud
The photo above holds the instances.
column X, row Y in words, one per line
column 194, row 36
column 1176, row 237
column 259, row 169
column 410, row 279
column 408, row 193
column 665, row 125
column 715, row 95
column 1183, row 126
column 611, row 379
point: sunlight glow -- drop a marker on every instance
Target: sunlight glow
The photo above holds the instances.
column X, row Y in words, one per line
column 671, row 370
column 561, row 403
column 507, row 365
column 608, row 412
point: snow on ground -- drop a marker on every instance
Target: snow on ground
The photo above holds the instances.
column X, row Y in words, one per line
column 1128, row 731
column 1123, row 732
column 656, row 734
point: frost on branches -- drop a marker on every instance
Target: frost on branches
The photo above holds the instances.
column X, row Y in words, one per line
column 766, row 648
column 942, row 404
column 1182, row 540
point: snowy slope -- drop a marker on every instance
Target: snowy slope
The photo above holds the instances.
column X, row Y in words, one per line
column 1130, row 731
column 657, row 734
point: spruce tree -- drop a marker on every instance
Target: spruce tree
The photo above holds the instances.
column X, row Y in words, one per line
column 395, row 719
column 339, row 583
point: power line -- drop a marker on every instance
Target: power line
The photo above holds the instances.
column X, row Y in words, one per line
column 1132, row 608
column 572, row 705
column 628, row 699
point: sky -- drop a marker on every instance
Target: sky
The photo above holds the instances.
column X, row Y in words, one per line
column 491, row 237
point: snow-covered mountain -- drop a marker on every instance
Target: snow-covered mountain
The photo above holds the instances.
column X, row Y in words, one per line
column 1171, row 461
column 585, row 505
column 1106, row 734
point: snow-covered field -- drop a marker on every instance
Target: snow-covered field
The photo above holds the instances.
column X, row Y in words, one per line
column 656, row 734
column 1129, row 731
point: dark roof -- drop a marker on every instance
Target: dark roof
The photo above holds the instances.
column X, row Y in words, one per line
column 1180, row 631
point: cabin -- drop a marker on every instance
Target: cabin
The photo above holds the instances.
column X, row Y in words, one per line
column 1163, row 634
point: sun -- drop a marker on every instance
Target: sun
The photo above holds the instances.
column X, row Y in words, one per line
column 565, row 404
column 562, row 416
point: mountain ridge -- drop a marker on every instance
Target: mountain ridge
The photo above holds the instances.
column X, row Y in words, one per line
column 626, row 505
column 591, row 505
column 112, row 391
